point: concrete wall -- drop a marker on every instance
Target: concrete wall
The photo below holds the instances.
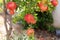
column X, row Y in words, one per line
column 56, row 16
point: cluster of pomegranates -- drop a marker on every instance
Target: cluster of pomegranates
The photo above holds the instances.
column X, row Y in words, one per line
column 11, row 6
column 29, row 18
column 44, row 7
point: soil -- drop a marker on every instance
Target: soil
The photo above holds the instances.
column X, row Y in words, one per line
column 45, row 35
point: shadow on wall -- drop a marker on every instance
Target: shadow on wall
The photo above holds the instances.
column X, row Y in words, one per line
column 56, row 16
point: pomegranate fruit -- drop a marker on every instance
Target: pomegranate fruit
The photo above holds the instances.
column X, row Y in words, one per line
column 11, row 6
column 42, row 7
column 54, row 2
column 29, row 18
column 30, row 31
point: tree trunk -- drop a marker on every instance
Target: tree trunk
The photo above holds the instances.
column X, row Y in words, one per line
column 5, row 21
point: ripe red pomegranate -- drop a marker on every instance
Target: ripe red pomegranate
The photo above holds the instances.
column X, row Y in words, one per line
column 30, row 31
column 11, row 6
column 29, row 18
column 42, row 7
column 54, row 2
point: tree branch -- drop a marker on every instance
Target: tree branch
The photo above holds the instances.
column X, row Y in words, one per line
column 5, row 16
